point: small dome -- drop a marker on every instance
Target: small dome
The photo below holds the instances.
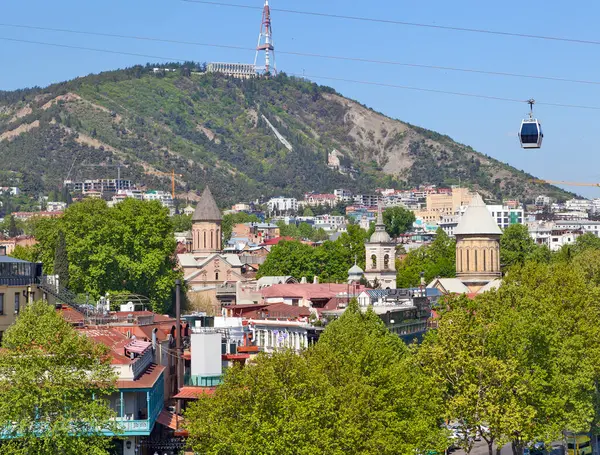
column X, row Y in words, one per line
column 380, row 236
column 355, row 270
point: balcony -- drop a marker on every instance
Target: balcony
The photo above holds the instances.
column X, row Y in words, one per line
column 202, row 381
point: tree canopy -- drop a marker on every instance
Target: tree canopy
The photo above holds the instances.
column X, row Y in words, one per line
column 357, row 390
column 129, row 247
column 53, row 387
column 398, row 220
column 437, row 259
column 521, row 361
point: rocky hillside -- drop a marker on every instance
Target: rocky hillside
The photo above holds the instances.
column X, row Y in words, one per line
column 246, row 138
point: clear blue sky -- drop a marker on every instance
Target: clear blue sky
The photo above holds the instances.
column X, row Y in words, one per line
column 490, row 127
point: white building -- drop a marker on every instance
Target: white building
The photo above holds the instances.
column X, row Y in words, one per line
column 506, row 216
column 54, row 206
column 542, row 201
column 283, row 204
column 578, row 205
column 448, row 224
column 163, row 197
column 584, row 226
column 334, row 221
column 343, row 195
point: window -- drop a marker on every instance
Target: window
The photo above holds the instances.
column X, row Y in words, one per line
column 475, row 254
column 468, row 261
column 386, row 261
column 373, row 261
column 17, row 302
column 484, row 264
column 1, row 303
column 216, row 275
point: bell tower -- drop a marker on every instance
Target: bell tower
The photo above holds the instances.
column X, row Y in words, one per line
column 206, row 226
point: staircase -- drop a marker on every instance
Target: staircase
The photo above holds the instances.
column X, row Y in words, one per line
column 50, row 285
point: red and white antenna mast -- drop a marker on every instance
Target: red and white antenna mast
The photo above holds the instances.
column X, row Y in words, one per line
column 265, row 42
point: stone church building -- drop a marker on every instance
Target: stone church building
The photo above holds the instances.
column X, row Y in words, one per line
column 477, row 253
column 206, row 266
column 380, row 257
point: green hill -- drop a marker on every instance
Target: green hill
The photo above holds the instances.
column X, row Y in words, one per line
column 219, row 130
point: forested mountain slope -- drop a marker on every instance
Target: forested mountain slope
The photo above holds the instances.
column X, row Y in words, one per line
column 219, row 130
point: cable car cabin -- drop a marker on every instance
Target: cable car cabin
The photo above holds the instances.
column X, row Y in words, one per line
column 530, row 134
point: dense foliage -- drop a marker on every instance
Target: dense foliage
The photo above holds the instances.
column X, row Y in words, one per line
column 212, row 129
column 53, row 387
column 398, row 220
column 329, row 261
column 129, row 247
column 521, row 364
column 357, row 390
column 435, row 260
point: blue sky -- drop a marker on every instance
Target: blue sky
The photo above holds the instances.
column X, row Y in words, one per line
column 569, row 151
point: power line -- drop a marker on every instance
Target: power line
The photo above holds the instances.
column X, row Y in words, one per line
column 380, row 84
column 312, row 55
column 405, row 23
column 445, row 92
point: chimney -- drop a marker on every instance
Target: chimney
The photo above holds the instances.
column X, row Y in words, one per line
column 154, row 341
column 303, row 280
column 316, row 280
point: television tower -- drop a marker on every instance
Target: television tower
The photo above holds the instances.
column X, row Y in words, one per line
column 265, row 42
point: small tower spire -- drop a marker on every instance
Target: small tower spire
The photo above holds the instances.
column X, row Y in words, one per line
column 379, row 216
column 265, row 42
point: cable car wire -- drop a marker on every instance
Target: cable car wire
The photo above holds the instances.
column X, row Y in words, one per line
column 404, row 23
column 311, row 55
column 331, row 78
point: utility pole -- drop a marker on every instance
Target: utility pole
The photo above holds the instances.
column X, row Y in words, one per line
column 178, row 355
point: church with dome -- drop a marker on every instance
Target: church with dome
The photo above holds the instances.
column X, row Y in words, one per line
column 477, row 253
column 380, row 267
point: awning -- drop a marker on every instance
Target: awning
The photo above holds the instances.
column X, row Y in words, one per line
column 167, row 419
column 192, row 393
column 138, row 346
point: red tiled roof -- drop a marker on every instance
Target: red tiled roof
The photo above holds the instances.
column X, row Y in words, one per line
column 70, row 315
column 239, row 356
column 168, row 419
column 145, row 381
column 112, row 338
column 304, row 291
column 276, row 240
column 276, row 310
column 192, row 393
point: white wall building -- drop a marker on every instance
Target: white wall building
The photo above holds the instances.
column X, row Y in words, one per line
column 282, row 204
column 343, row 195
column 334, row 221
column 578, row 205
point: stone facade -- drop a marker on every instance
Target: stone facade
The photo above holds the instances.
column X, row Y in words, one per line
column 478, row 257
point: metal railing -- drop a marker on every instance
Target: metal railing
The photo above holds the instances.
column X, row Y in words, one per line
column 50, row 285
column 202, row 381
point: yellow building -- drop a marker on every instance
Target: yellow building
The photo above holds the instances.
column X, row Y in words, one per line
column 448, row 204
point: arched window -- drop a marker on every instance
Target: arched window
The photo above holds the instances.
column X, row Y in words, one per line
column 216, row 276
column 386, row 261
column 492, row 260
column 468, row 268
column 484, row 264
column 460, row 264
column 211, row 240
column 374, row 261
column 475, row 254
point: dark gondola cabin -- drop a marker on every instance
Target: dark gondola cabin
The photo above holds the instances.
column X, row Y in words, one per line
column 530, row 134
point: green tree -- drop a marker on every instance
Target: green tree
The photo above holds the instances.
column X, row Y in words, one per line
column 437, row 259
column 356, row 391
column 182, row 223
column 398, row 220
column 522, row 360
column 25, row 253
column 231, row 219
column 516, row 245
column 353, row 240
column 54, row 385
column 61, row 260
column 308, row 212
column 125, row 248
column 13, row 229
column 305, row 231
column 290, row 258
